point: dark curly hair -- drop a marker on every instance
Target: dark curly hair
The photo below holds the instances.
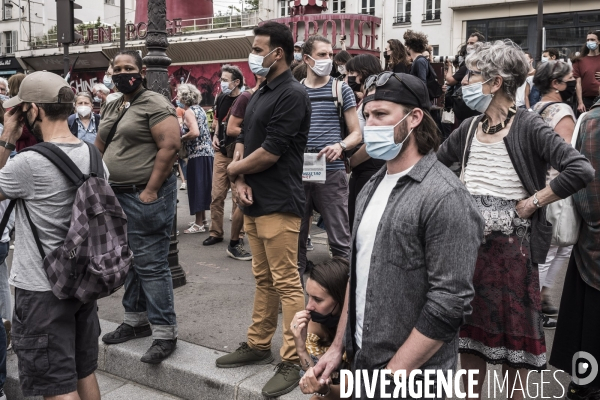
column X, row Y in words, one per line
column 416, row 41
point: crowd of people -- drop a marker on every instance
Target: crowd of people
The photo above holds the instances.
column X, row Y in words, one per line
column 445, row 220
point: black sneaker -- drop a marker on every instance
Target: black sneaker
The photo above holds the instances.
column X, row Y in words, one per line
column 238, row 252
column 582, row 392
column 549, row 309
column 159, row 351
column 309, row 245
column 125, row 332
column 549, row 323
column 209, row 241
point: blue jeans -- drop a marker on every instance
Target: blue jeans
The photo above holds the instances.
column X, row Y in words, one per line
column 183, row 165
column 5, row 296
column 149, row 288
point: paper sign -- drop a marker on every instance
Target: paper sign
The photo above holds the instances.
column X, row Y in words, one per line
column 314, row 169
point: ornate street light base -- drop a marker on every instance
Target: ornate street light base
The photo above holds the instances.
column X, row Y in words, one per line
column 157, row 78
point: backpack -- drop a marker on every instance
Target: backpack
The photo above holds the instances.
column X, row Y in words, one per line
column 338, row 100
column 95, row 257
column 433, row 86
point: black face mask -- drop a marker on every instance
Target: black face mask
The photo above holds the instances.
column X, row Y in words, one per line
column 127, row 83
column 355, row 86
column 31, row 126
column 569, row 91
column 386, row 56
column 329, row 320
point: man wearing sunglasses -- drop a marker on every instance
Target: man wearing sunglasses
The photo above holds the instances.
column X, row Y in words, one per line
column 411, row 274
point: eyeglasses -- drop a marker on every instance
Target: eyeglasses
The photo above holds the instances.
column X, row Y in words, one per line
column 382, row 78
column 471, row 73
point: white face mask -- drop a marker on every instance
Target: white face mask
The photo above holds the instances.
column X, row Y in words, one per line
column 84, row 111
column 225, row 88
column 470, row 49
column 342, row 69
column 255, row 62
column 544, row 59
column 381, row 143
column 322, row 67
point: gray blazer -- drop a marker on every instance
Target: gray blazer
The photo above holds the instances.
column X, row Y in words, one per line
column 421, row 268
column 531, row 145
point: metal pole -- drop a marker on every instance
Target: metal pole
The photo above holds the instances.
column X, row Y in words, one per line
column 29, row 21
column 540, row 28
column 157, row 77
column 122, row 28
column 66, row 59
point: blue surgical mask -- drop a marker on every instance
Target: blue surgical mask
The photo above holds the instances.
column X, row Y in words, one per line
column 97, row 99
column 108, row 82
column 544, row 59
column 225, row 88
column 298, row 56
column 474, row 97
column 180, row 104
column 380, row 141
column 592, row 45
column 4, row 97
column 255, row 62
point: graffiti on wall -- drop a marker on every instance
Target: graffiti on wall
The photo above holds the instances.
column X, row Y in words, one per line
column 206, row 78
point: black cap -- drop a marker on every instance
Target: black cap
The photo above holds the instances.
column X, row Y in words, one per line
column 403, row 89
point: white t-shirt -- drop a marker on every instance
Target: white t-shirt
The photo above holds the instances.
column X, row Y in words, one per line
column 520, row 97
column 365, row 239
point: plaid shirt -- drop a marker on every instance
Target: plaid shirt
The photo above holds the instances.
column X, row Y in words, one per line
column 587, row 201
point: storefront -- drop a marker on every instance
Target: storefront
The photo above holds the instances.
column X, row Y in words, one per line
column 9, row 66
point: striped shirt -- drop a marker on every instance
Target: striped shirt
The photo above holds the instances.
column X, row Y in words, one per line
column 324, row 122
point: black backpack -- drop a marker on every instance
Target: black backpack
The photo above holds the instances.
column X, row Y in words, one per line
column 433, row 86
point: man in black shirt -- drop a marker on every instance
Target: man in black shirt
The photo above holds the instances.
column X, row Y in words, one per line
column 416, row 44
column 267, row 171
column 231, row 82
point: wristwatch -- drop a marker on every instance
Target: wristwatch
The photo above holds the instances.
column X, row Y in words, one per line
column 10, row 146
column 536, row 202
column 343, row 145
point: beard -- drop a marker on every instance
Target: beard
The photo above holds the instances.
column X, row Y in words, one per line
column 400, row 136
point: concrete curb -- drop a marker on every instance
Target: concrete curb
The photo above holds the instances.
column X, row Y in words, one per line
column 190, row 373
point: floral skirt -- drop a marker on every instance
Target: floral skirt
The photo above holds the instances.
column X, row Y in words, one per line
column 505, row 326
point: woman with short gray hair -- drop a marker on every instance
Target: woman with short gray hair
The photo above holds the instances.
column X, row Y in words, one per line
column 504, row 154
column 197, row 141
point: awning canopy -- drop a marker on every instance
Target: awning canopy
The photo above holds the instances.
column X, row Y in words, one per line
column 54, row 62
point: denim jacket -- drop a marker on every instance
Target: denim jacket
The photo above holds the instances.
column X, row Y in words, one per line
column 422, row 265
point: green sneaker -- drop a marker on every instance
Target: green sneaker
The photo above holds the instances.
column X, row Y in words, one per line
column 285, row 380
column 245, row 355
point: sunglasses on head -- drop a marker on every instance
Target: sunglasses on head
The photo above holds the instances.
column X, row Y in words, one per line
column 382, row 78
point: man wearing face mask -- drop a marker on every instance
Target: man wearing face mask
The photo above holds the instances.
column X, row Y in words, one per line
column 586, row 69
column 297, row 55
column 231, row 82
column 267, row 171
column 65, row 332
column 84, row 123
column 330, row 121
column 100, row 93
column 402, row 244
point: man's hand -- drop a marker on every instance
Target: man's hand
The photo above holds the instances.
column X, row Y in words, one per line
column 147, row 196
column 232, row 170
column 332, row 152
column 328, row 363
column 13, row 124
column 244, row 192
column 309, row 383
column 215, row 143
column 581, row 108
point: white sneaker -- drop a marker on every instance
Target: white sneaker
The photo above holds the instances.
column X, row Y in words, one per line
column 182, row 187
column 11, row 247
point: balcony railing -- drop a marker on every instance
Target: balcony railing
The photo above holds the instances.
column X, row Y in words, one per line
column 432, row 15
column 182, row 28
column 402, row 19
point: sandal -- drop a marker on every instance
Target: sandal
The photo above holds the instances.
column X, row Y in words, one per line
column 205, row 223
column 194, row 228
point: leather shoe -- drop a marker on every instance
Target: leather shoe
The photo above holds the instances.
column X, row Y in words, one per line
column 209, row 241
column 159, row 351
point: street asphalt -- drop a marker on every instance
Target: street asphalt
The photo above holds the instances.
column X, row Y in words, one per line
column 214, row 307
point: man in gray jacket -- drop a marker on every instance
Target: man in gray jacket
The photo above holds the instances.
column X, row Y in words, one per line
column 414, row 246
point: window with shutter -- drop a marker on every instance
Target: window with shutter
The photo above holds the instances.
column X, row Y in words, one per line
column 15, row 42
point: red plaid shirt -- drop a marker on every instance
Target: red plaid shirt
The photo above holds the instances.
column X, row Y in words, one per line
column 587, row 201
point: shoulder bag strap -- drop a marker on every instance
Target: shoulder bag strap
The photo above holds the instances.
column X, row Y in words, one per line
column 462, row 170
column 34, row 231
column 573, row 138
column 96, row 166
column 113, row 130
column 61, row 160
column 541, row 110
column 6, row 216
